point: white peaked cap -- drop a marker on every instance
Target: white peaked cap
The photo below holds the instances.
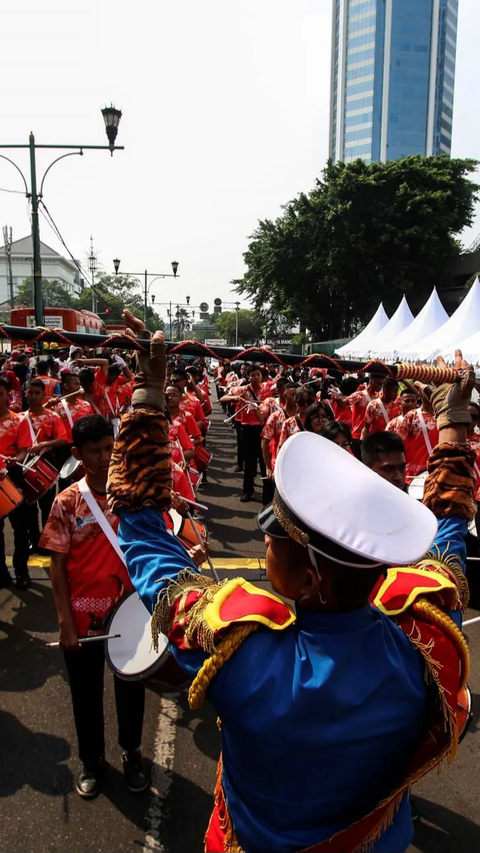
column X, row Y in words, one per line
column 329, row 500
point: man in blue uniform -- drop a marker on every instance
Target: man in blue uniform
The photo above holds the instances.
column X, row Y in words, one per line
column 330, row 710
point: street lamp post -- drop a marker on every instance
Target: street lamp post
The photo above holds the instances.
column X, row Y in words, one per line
column 111, row 118
column 237, row 308
column 146, row 286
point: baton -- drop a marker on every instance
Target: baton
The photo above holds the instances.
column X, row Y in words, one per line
column 82, row 640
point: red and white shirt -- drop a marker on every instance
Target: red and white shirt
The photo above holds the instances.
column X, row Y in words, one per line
column 379, row 413
column 248, row 416
column 358, row 402
column 34, row 429
column 416, row 446
column 290, row 427
column 177, row 434
column 273, row 430
column 9, row 434
column 72, row 412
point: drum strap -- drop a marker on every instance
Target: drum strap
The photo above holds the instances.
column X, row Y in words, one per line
column 68, row 413
column 383, row 410
column 96, row 510
column 425, row 431
column 32, row 431
column 107, row 397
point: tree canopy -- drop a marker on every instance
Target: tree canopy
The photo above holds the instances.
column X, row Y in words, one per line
column 363, row 234
column 54, row 294
column 250, row 326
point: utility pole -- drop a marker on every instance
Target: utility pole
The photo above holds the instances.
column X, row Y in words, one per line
column 7, row 239
column 237, row 308
column 92, row 265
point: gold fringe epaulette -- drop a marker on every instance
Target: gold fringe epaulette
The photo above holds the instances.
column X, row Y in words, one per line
column 442, row 560
column 186, row 582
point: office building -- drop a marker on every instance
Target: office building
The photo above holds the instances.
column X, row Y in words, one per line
column 393, row 73
column 54, row 267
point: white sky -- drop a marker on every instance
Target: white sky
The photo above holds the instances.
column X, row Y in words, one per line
column 225, row 117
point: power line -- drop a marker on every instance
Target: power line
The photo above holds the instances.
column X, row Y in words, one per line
column 56, row 230
column 3, row 190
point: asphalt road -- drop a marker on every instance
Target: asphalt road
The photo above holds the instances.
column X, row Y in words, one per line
column 39, row 809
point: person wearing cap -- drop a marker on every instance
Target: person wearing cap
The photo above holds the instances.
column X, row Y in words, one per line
column 326, row 714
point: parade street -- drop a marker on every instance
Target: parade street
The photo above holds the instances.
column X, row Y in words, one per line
column 40, row 810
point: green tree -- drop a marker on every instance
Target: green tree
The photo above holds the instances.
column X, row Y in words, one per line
column 250, row 326
column 364, row 233
column 54, row 294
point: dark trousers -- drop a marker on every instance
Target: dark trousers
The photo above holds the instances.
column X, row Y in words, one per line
column 238, row 430
column 85, row 673
column 252, row 452
column 45, row 504
column 18, row 521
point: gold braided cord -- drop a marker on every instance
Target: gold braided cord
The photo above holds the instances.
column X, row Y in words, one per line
column 228, row 647
column 436, row 615
column 425, row 373
column 185, row 582
column 288, row 525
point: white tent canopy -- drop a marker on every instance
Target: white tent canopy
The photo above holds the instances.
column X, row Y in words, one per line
column 362, row 342
column 461, row 326
column 400, row 321
column 430, row 318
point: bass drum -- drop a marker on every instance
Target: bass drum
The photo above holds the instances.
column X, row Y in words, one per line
column 464, row 711
column 132, row 656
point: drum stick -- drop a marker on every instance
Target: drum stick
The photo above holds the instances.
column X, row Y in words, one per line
column 471, row 621
column 185, row 464
column 200, row 542
column 82, row 640
column 16, row 463
column 192, row 503
column 227, row 420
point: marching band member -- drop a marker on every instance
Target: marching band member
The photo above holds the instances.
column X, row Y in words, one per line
column 420, row 435
column 40, row 432
column 408, row 403
column 304, row 397
column 88, row 580
column 251, row 420
column 9, row 422
column 70, row 410
column 52, row 384
column 182, row 416
column 382, row 408
column 368, row 692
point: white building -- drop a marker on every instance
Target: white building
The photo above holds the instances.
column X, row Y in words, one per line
column 54, row 267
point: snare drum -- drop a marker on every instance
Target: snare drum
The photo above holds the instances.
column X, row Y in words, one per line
column 202, row 457
column 72, row 470
column 186, row 533
column 10, row 497
column 38, row 477
column 417, row 486
column 132, row 656
column 195, row 478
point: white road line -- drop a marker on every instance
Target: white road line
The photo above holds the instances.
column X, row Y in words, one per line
column 162, row 771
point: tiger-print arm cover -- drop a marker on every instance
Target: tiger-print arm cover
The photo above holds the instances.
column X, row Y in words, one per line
column 449, row 487
column 140, row 467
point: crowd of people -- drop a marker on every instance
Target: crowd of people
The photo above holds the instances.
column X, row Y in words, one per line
column 108, row 450
column 363, row 414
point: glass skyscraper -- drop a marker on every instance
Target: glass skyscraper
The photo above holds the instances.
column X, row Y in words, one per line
column 393, row 73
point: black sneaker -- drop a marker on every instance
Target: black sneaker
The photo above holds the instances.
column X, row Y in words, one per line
column 89, row 781
column 246, row 498
column 136, row 777
column 5, row 578
column 23, row 581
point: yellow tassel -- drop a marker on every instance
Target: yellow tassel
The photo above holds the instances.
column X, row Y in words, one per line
column 185, row 582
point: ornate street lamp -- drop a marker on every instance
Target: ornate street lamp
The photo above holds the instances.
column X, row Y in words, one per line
column 175, row 268
column 111, row 117
column 116, row 265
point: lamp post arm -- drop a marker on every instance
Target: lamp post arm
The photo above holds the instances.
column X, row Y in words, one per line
column 62, row 156
column 18, row 170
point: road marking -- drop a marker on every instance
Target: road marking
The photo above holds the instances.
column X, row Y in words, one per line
column 162, row 772
column 230, row 564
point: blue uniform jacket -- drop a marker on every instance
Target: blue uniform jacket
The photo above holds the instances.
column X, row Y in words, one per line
column 318, row 720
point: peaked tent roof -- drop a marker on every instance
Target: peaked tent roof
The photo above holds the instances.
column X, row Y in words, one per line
column 459, row 327
column 400, row 321
column 430, row 318
column 371, row 330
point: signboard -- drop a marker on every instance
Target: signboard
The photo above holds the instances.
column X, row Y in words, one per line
column 203, row 307
column 51, row 322
column 216, row 342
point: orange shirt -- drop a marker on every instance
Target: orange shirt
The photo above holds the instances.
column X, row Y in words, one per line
column 46, row 427
column 290, row 427
column 273, row 430
column 97, row 576
column 9, row 434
